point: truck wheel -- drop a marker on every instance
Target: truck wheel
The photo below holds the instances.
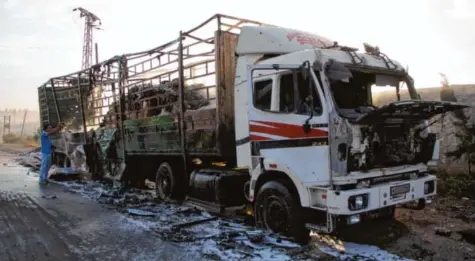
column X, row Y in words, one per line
column 164, row 181
column 277, row 210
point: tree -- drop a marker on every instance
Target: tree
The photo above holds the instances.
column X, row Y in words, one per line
column 465, row 131
column 465, row 134
column 461, row 185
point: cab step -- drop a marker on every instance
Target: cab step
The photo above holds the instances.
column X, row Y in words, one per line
column 214, row 208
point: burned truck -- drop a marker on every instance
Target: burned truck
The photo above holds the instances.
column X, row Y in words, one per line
column 238, row 114
column 58, row 101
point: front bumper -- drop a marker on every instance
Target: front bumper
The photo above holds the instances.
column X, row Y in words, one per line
column 379, row 196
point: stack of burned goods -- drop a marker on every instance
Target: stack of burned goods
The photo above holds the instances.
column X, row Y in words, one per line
column 151, row 118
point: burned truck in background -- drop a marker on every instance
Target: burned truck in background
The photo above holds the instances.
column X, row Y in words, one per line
column 59, row 101
column 234, row 113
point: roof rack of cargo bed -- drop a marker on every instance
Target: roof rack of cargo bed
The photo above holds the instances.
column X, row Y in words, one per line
column 194, row 38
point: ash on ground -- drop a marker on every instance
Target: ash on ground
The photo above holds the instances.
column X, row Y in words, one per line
column 218, row 238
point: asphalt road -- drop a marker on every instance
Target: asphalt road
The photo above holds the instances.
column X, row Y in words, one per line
column 44, row 222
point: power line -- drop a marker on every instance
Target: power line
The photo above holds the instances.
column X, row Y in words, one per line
column 91, row 22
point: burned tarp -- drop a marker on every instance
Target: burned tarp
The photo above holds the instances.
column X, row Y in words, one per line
column 152, row 100
column 109, row 158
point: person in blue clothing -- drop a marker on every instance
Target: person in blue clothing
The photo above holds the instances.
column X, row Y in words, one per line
column 47, row 149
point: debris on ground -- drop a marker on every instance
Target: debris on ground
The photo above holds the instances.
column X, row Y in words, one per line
column 49, row 196
column 30, row 159
column 55, row 170
column 192, row 223
column 140, row 212
column 441, row 231
column 215, row 238
column 233, row 239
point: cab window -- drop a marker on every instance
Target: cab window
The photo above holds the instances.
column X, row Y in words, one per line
column 295, row 96
column 287, row 94
column 263, row 94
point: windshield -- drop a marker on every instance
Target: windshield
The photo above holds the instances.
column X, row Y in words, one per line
column 385, row 94
column 366, row 91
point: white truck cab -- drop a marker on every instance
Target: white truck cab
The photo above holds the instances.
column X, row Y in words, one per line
column 306, row 126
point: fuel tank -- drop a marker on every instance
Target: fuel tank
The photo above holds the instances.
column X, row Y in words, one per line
column 221, row 187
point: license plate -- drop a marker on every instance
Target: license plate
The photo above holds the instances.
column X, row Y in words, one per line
column 401, row 189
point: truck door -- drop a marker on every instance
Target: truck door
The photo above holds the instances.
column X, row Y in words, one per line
column 288, row 122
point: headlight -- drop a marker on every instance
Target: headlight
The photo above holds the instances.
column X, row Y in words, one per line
column 358, row 202
column 354, row 219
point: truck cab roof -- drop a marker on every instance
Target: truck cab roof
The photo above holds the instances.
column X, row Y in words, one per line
column 294, row 47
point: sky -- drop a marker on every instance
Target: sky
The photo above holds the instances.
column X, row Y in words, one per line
column 43, row 39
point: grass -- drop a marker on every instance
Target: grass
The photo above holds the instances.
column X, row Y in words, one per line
column 27, row 140
column 456, row 184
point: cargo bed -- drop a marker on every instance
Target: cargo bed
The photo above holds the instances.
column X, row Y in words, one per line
column 173, row 100
column 209, row 102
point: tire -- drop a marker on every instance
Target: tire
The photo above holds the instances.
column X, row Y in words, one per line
column 165, row 183
column 278, row 211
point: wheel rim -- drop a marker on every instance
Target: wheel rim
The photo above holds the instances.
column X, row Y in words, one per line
column 164, row 183
column 275, row 215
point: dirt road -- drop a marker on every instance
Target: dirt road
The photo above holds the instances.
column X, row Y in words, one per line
column 48, row 223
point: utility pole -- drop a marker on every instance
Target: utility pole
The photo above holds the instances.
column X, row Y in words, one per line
column 92, row 22
column 23, row 124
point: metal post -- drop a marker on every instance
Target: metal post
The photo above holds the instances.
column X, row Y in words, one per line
column 83, row 113
column 23, row 124
column 47, row 107
column 55, row 102
column 3, row 132
column 97, row 54
column 181, row 91
column 121, row 115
